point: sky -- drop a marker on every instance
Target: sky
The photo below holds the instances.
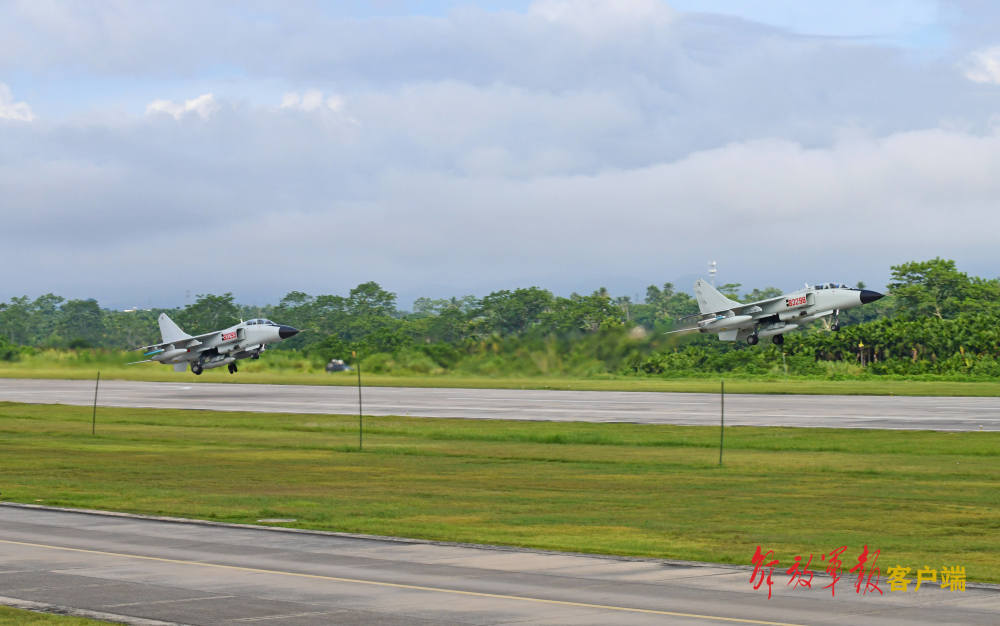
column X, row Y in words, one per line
column 153, row 151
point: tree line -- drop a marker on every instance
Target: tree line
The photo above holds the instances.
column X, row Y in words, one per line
column 934, row 320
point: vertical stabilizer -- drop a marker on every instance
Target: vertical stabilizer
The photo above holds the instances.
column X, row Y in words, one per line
column 169, row 331
column 710, row 300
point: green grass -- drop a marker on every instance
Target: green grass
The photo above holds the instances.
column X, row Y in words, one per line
column 260, row 372
column 17, row 617
column 922, row 498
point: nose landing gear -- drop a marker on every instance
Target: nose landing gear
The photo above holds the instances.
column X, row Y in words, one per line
column 835, row 326
column 232, row 368
column 753, row 339
column 196, row 368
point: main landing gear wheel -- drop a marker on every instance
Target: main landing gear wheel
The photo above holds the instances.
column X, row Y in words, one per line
column 835, row 326
column 232, row 368
column 196, row 369
column 752, row 340
column 778, row 339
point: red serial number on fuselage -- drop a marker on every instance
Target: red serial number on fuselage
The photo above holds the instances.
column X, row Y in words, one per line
column 228, row 336
column 795, row 301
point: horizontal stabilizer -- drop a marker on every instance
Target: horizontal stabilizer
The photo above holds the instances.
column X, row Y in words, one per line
column 135, row 362
column 681, row 330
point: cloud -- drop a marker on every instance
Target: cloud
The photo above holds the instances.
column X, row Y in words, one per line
column 599, row 19
column 311, row 100
column 271, row 203
column 983, row 66
column 203, row 106
column 10, row 110
column 572, row 145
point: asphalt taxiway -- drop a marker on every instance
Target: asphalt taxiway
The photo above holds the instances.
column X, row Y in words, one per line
column 889, row 412
column 152, row 571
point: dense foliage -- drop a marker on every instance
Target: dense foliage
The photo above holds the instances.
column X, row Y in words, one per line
column 936, row 320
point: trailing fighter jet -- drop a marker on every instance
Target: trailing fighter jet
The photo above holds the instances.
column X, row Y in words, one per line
column 215, row 349
column 772, row 317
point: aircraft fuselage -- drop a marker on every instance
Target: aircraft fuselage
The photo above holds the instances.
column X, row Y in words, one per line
column 772, row 317
column 218, row 348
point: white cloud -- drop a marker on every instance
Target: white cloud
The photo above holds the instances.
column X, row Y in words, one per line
column 285, row 184
column 311, row 100
column 203, row 106
column 983, row 66
column 335, row 103
column 564, row 146
column 10, row 110
column 603, row 18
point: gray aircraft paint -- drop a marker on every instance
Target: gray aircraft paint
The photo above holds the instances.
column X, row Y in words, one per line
column 772, row 317
column 220, row 347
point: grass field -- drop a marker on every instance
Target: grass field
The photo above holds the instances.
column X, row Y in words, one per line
column 258, row 372
column 922, row 498
column 17, row 617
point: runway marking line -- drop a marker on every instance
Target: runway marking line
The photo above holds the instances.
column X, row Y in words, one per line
column 148, row 602
column 477, row 594
column 270, row 617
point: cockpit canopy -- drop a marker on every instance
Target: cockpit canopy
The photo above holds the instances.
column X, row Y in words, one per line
column 260, row 322
column 831, row 286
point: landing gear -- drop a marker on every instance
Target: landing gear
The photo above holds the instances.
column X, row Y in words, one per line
column 778, row 340
column 196, row 369
column 752, row 340
column 256, row 355
column 232, row 368
column 835, row 326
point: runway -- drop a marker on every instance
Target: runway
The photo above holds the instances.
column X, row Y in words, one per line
column 888, row 412
column 143, row 571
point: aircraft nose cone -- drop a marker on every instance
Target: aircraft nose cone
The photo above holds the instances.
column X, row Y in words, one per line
column 287, row 331
column 870, row 296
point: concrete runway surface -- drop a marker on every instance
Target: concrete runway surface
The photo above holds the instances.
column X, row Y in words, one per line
column 890, row 412
column 149, row 571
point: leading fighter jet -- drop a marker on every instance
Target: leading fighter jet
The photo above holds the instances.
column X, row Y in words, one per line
column 215, row 349
column 773, row 317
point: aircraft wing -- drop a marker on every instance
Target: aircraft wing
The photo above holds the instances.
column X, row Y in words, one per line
column 759, row 302
column 749, row 308
column 740, row 309
column 186, row 342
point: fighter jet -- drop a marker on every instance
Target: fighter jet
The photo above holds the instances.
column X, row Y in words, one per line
column 773, row 317
column 215, row 349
